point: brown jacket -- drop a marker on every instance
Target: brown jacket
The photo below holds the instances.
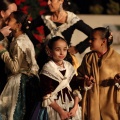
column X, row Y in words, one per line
column 102, row 100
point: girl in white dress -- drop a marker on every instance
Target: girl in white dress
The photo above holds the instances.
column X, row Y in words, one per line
column 19, row 94
column 59, row 88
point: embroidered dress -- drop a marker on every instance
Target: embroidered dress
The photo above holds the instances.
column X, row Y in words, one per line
column 22, row 70
column 59, row 85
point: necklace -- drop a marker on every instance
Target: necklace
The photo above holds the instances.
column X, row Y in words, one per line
column 61, row 17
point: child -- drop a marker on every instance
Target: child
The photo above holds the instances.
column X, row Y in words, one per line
column 98, row 68
column 22, row 71
column 58, row 84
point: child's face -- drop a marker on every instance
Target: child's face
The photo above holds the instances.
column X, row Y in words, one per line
column 11, row 21
column 96, row 42
column 59, row 50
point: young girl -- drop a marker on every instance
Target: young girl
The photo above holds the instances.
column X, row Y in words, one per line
column 58, row 84
column 98, row 69
column 18, row 96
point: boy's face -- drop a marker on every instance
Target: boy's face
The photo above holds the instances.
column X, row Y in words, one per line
column 96, row 41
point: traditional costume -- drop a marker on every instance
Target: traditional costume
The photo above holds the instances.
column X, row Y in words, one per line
column 102, row 101
column 22, row 70
column 59, row 85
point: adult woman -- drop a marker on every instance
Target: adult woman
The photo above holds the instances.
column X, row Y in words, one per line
column 62, row 23
column 6, row 8
column 22, row 70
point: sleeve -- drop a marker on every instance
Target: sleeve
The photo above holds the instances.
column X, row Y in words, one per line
column 47, row 86
column 86, row 29
column 1, row 36
column 13, row 62
column 75, row 85
column 82, row 71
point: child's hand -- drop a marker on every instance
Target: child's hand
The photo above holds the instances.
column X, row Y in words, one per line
column 117, row 78
column 64, row 115
column 89, row 80
column 72, row 112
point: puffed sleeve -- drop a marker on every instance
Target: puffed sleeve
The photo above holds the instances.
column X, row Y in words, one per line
column 47, row 86
column 75, row 85
column 13, row 62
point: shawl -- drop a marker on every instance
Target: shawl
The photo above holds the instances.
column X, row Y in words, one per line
column 103, row 98
column 51, row 70
column 57, row 30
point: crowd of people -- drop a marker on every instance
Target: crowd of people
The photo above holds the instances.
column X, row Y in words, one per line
column 45, row 86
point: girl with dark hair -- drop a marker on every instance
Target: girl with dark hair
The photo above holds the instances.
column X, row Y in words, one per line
column 58, row 85
column 20, row 92
column 101, row 97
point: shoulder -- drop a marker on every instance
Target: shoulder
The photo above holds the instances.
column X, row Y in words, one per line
column 23, row 41
column 114, row 53
column 72, row 18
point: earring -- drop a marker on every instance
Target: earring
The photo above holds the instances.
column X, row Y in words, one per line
column 16, row 30
column 60, row 7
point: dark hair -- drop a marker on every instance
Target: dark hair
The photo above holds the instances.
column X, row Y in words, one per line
column 53, row 40
column 4, row 4
column 21, row 18
column 105, row 33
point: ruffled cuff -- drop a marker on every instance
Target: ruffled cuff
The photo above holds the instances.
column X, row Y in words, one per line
column 77, row 93
column 48, row 99
column 87, row 88
column 117, row 85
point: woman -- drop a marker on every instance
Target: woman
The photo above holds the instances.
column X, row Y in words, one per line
column 20, row 92
column 99, row 71
column 6, row 8
column 61, row 23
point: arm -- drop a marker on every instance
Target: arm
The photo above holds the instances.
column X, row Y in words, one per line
column 12, row 62
column 47, row 86
column 86, row 29
column 74, row 109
